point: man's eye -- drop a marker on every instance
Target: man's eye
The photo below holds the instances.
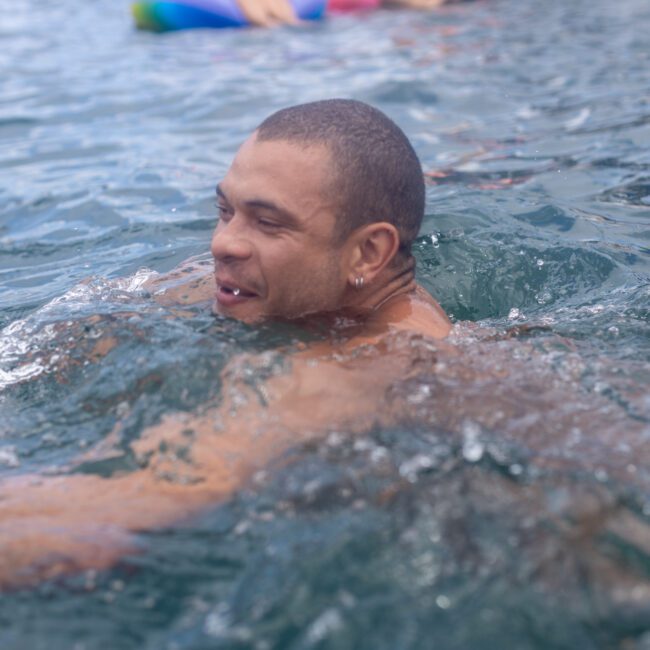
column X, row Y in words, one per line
column 269, row 225
column 223, row 211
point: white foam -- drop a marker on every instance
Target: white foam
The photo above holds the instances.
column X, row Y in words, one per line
column 23, row 340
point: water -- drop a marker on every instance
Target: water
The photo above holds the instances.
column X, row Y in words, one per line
column 511, row 507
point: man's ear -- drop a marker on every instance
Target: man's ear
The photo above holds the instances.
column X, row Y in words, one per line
column 373, row 246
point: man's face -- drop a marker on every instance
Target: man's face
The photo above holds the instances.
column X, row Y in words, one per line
column 274, row 244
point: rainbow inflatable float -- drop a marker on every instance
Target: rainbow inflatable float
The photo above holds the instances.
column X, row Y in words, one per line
column 167, row 15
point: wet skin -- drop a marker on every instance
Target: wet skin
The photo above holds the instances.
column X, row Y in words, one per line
column 276, row 244
column 276, row 255
column 274, row 241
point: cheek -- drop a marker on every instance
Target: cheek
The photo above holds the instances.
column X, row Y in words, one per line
column 288, row 277
column 312, row 283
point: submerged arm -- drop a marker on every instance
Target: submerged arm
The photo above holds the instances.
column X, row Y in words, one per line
column 55, row 525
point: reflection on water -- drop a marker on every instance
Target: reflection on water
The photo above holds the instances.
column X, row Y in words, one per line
column 510, row 505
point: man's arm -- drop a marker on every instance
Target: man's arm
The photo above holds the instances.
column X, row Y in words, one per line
column 63, row 524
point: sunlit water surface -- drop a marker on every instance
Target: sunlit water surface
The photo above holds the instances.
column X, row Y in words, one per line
column 511, row 508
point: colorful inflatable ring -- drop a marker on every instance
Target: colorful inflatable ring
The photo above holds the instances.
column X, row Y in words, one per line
column 187, row 14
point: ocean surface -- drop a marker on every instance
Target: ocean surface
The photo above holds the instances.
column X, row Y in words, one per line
column 512, row 508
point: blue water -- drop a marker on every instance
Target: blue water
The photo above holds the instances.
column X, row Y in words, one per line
column 511, row 512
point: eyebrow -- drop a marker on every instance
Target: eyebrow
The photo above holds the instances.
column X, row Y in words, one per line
column 287, row 216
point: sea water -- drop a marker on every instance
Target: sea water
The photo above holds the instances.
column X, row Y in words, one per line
column 511, row 508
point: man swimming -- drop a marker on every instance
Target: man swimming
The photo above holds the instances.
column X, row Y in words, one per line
column 317, row 215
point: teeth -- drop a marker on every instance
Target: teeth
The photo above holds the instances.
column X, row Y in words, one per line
column 235, row 292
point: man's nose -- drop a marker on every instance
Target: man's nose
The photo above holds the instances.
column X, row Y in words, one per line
column 229, row 241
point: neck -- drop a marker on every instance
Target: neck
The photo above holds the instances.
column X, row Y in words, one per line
column 367, row 305
column 397, row 280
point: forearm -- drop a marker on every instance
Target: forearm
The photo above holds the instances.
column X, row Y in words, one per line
column 54, row 525
column 33, row 549
column 51, row 525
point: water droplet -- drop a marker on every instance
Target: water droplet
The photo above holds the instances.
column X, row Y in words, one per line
column 242, row 527
column 379, row 455
column 218, row 621
column 327, row 623
column 420, row 395
column 516, row 469
column 410, row 468
column 443, row 602
column 601, row 475
column 540, row 263
column 435, row 240
column 473, row 448
column 9, row 457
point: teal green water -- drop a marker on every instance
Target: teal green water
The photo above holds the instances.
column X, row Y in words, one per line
column 472, row 524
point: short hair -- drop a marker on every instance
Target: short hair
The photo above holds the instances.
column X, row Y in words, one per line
column 377, row 174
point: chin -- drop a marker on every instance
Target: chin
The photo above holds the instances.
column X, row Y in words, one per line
column 237, row 314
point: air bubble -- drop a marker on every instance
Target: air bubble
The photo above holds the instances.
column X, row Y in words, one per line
column 420, row 395
column 473, row 448
column 419, row 463
column 443, row 602
column 601, row 475
column 516, row 469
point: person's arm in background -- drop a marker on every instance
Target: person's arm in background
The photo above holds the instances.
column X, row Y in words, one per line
column 267, row 13
column 416, row 4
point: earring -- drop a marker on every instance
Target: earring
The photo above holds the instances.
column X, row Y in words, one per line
column 358, row 282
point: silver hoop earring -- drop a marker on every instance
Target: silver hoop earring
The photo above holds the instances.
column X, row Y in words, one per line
column 358, row 282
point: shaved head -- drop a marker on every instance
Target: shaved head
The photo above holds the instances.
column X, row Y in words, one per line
column 376, row 174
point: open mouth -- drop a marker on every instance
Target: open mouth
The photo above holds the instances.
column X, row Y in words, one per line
column 236, row 291
column 230, row 294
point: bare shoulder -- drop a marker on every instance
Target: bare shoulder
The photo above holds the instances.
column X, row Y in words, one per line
column 417, row 312
column 189, row 283
column 428, row 317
